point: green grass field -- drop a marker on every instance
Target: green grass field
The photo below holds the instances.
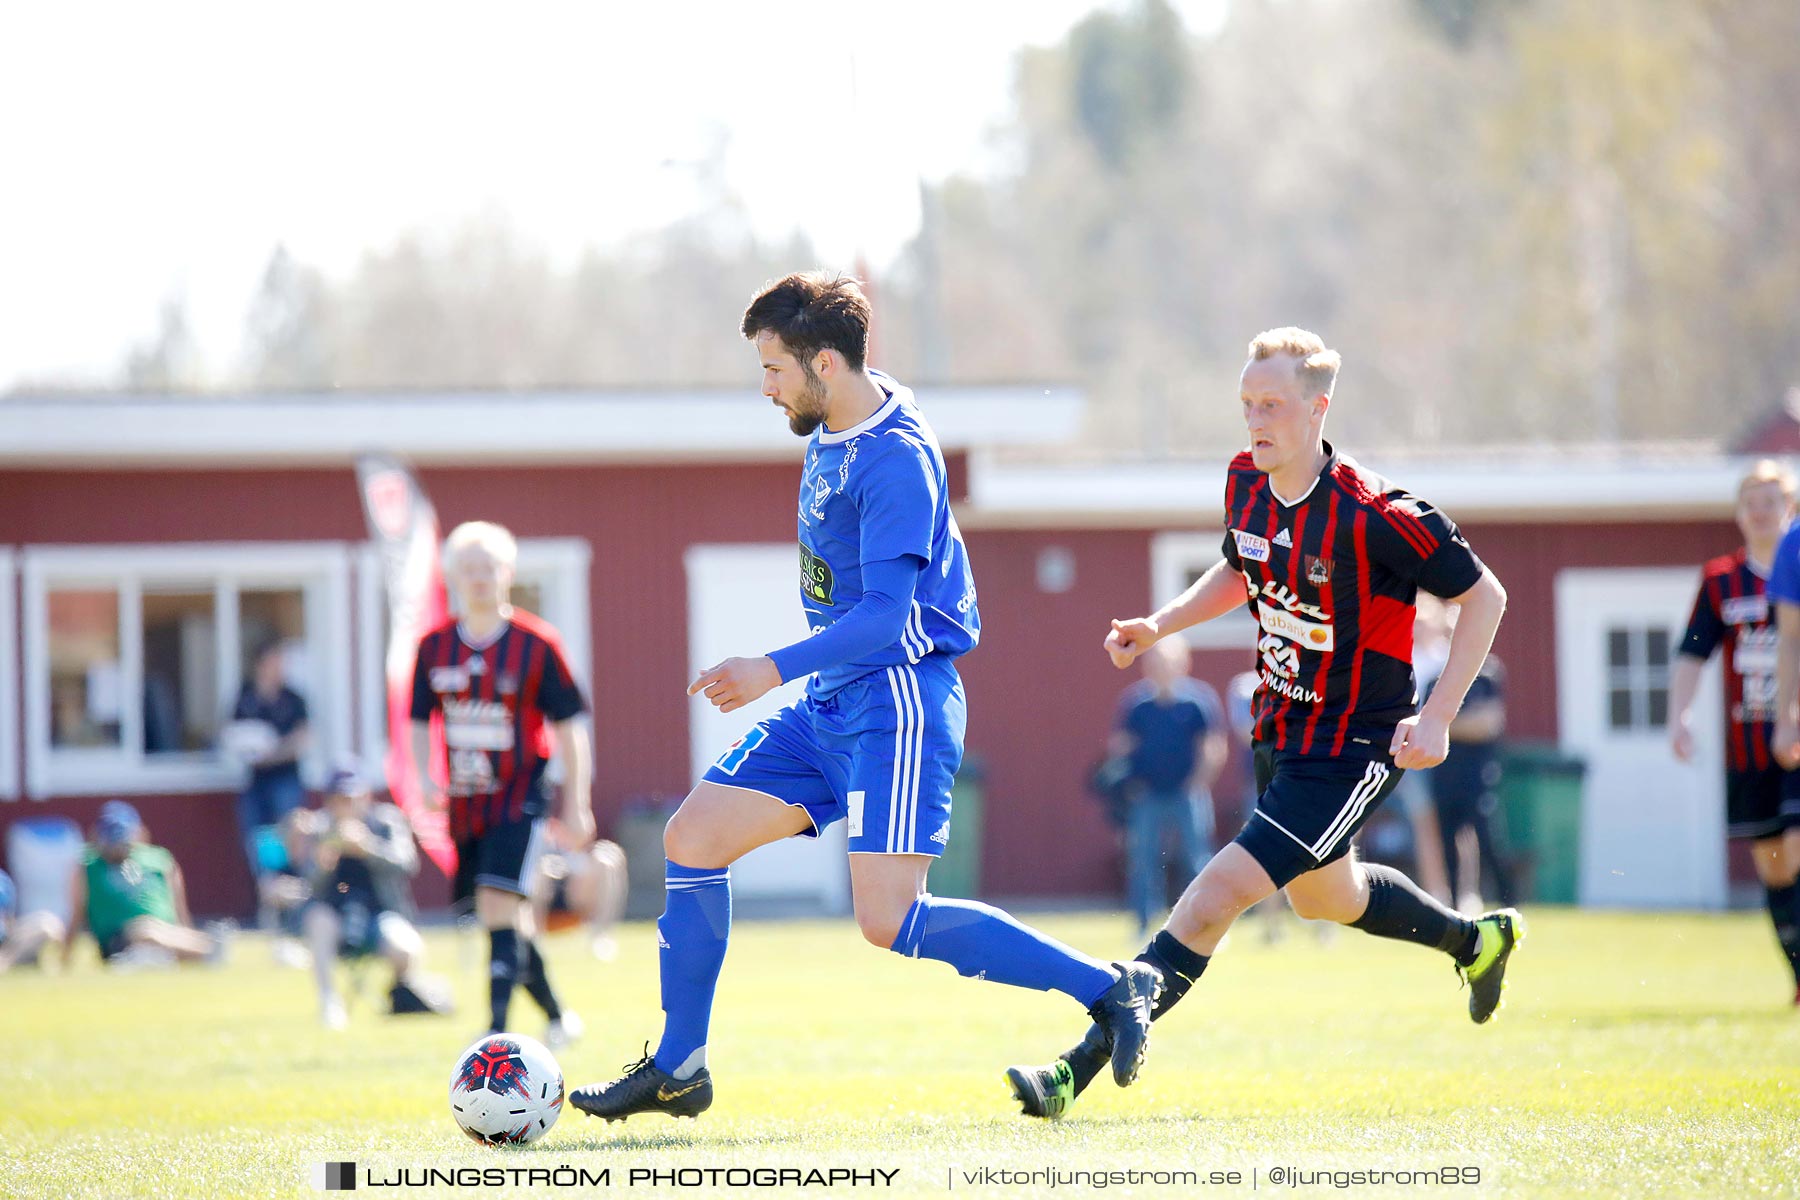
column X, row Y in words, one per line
column 1641, row 1055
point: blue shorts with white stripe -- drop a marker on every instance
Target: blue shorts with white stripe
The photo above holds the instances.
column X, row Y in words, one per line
column 1310, row 807
column 879, row 752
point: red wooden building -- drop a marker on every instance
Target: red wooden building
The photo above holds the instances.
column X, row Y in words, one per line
column 147, row 542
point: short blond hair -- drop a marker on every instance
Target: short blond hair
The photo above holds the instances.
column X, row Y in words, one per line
column 497, row 540
column 1767, row 470
column 1316, row 366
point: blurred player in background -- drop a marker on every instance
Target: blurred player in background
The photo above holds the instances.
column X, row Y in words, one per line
column 1332, row 557
column 130, row 895
column 577, row 887
column 359, row 858
column 498, row 678
column 1762, row 801
column 888, row 592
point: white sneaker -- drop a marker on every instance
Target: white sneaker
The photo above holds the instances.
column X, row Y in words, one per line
column 288, row 952
column 565, row 1029
column 332, row 1014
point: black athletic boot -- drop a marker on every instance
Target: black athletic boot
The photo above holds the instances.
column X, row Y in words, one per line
column 1123, row 1012
column 1501, row 932
column 643, row 1088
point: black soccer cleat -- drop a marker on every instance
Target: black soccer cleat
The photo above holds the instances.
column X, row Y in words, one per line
column 1501, row 933
column 1123, row 1014
column 1045, row 1092
column 643, row 1089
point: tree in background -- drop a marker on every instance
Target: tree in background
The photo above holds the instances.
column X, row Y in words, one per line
column 1520, row 220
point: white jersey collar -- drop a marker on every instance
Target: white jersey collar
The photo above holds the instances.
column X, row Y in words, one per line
column 897, row 395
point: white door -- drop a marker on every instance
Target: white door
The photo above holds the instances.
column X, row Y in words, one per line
column 1652, row 829
column 744, row 600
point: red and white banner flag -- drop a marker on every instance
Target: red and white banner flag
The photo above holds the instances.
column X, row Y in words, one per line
column 404, row 526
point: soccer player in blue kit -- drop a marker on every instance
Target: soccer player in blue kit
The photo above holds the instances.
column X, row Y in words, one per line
column 876, row 740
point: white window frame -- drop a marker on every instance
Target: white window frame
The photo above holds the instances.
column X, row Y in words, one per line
column 319, row 570
column 1172, row 557
column 558, row 565
column 9, row 676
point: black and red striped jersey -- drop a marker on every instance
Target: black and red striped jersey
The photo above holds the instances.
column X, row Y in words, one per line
column 1332, row 577
column 494, row 698
column 1733, row 611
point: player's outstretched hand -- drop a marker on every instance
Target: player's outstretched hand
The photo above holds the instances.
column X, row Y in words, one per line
column 737, row 682
column 1786, row 744
column 574, row 830
column 1420, row 742
column 1128, row 639
column 1681, row 741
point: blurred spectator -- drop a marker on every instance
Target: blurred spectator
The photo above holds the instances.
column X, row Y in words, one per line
column 1171, row 729
column 1465, row 790
column 1431, row 647
column 131, row 897
column 21, row 937
column 358, row 856
column 576, row 887
column 42, row 852
column 269, row 732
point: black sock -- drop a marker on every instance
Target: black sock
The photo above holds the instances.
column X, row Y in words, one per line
column 537, row 980
column 1399, row 909
column 1783, row 902
column 1179, row 967
column 503, row 972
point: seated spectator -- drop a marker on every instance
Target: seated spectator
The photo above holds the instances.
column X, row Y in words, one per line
column 575, row 888
column 21, row 937
column 358, row 856
column 131, row 897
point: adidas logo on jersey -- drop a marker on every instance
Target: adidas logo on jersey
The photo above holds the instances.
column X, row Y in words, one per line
column 1282, row 539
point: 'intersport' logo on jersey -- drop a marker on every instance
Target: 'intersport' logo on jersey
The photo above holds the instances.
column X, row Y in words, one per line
column 816, row 579
column 1249, row 546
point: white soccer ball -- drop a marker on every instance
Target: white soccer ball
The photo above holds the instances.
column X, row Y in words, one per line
column 506, row 1090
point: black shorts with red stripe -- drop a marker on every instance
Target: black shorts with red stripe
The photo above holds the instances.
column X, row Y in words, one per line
column 1310, row 807
column 1761, row 803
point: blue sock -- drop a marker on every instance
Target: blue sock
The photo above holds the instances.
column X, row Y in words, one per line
column 984, row 943
column 692, row 931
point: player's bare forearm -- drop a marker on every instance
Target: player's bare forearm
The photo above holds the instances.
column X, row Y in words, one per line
column 577, row 755
column 1482, row 607
column 1684, row 686
column 1211, row 760
column 1786, row 744
column 1214, row 594
column 1787, row 661
column 178, row 894
column 421, row 757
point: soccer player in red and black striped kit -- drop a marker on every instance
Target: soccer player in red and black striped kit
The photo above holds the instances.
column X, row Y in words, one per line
column 1330, row 557
column 1732, row 611
column 497, row 677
